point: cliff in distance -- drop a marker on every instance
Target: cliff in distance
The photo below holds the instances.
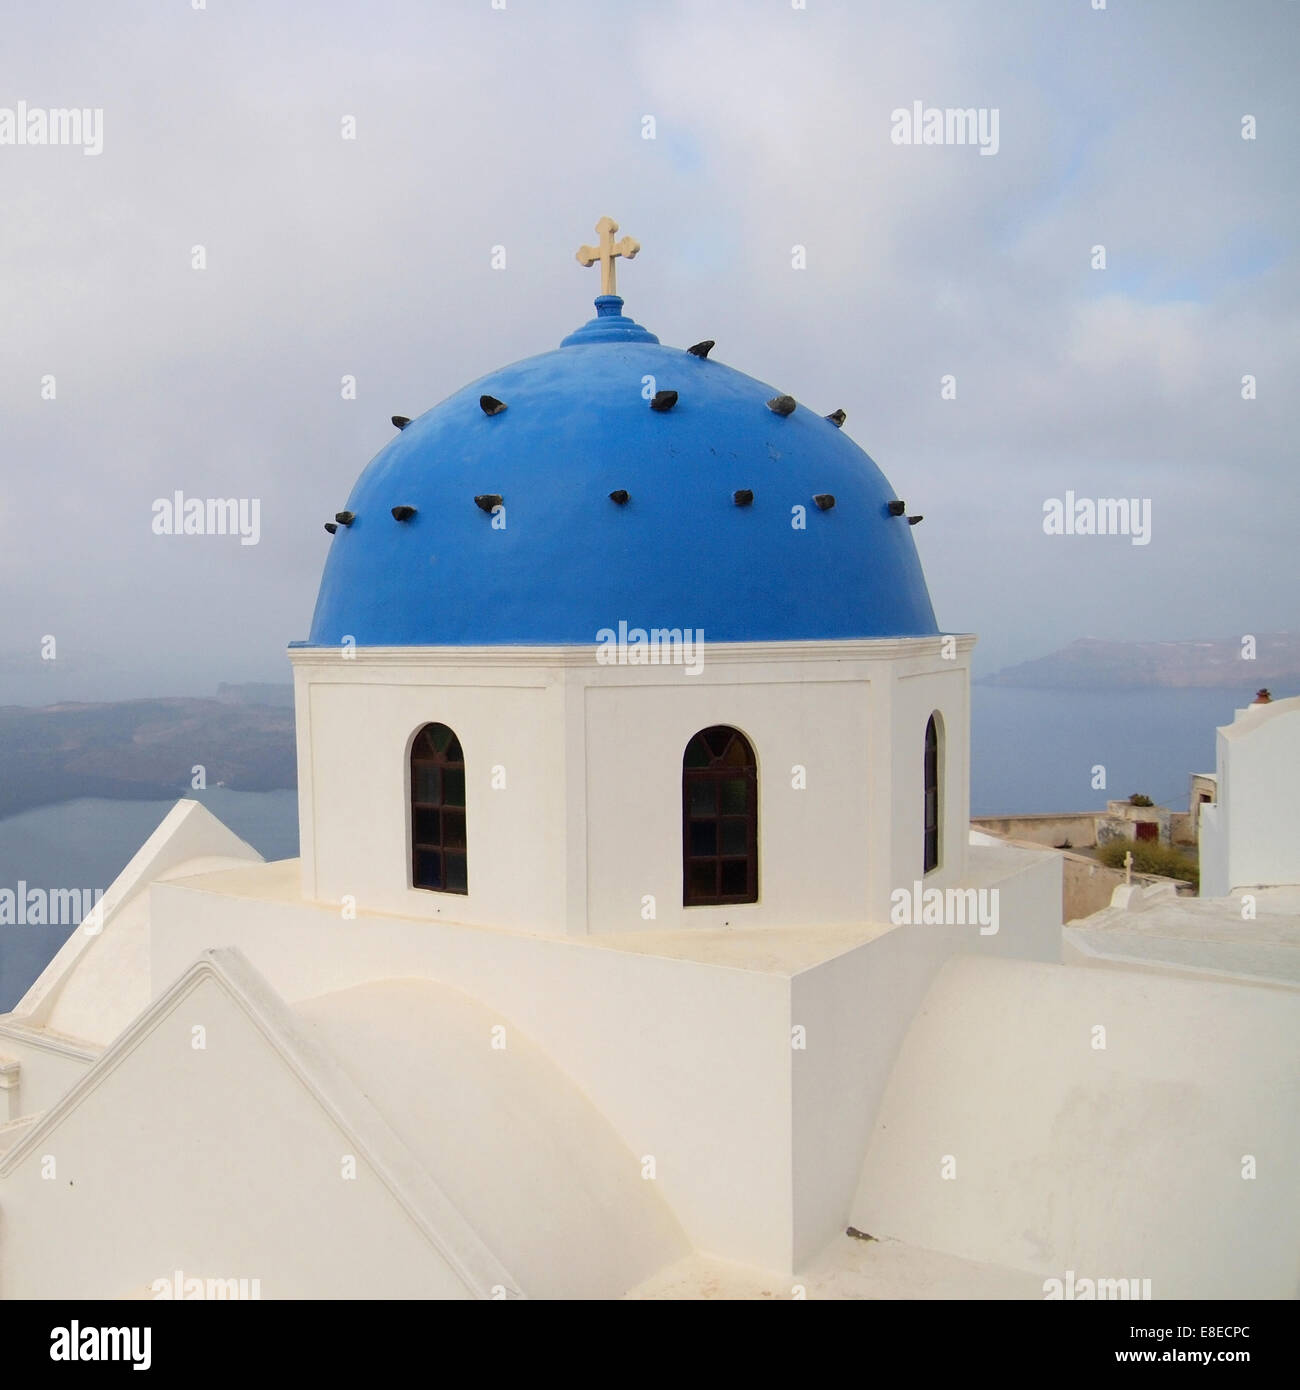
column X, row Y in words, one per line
column 143, row 749
column 1093, row 664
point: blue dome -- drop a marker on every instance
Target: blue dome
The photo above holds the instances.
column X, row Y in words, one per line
column 569, row 561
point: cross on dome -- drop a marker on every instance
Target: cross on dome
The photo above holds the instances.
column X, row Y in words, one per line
column 605, row 251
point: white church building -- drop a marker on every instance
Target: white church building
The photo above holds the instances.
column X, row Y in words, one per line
column 638, row 942
column 1250, row 833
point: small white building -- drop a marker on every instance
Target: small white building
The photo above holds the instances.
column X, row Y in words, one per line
column 638, row 943
column 1250, row 835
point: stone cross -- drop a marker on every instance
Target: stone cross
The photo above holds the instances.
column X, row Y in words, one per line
column 605, row 251
column 1128, row 866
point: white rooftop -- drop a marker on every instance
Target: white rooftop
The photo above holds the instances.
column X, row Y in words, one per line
column 850, row 1268
column 1199, row 936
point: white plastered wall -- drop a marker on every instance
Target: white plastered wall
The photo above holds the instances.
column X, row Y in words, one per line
column 98, row 981
column 1009, row 1135
column 573, row 777
column 1251, row 837
column 684, row 1045
column 148, row 1161
column 857, row 1009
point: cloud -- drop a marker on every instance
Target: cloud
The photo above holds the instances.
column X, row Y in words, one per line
column 479, row 127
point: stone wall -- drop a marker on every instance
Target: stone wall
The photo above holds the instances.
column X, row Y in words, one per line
column 1079, row 828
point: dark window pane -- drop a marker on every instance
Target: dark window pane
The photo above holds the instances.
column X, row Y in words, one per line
column 701, row 880
column 737, row 754
column 930, row 851
column 704, row 837
column 697, row 753
column 453, row 829
column 425, row 783
column 428, row 869
column 702, row 795
column 735, row 877
column 732, row 836
column 453, row 786
column 720, row 819
column 438, row 835
column 717, row 739
column 456, row 880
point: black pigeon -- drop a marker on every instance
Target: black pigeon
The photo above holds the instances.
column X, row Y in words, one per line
column 912, row 520
column 403, row 513
column 401, row 421
column 742, row 497
column 664, row 400
column 782, row 405
column 701, row 349
column 488, row 500
column 345, row 518
column 837, row 418
column 619, row 495
column 489, row 405
column 897, row 508
column 331, row 527
column 824, row 500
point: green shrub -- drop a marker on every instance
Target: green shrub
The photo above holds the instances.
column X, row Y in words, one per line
column 1138, row 799
column 1150, row 857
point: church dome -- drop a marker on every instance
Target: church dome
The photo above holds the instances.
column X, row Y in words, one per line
column 613, row 509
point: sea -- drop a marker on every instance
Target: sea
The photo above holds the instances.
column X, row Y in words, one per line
column 1031, row 751
column 86, row 844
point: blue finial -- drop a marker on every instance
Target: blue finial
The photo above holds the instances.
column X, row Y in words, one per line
column 610, row 325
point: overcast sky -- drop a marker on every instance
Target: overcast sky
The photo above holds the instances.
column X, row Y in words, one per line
column 519, row 127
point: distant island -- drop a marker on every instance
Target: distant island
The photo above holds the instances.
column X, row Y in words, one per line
column 147, row 749
column 1093, row 664
column 257, row 693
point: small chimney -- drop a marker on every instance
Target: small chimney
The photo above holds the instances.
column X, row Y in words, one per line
column 1262, row 697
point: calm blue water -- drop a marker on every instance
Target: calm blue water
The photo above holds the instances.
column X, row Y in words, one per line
column 86, row 844
column 1032, row 750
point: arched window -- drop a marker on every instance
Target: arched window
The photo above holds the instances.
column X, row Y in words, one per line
column 933, row 799
column 719, row 819
column 438, row 811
